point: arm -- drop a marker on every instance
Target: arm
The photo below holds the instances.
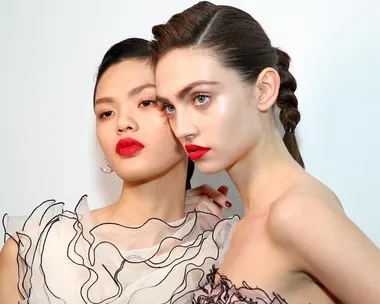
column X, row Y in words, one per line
column 9, row 293
column 325, row 243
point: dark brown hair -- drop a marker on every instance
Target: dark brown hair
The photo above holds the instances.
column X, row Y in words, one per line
column 240, row 43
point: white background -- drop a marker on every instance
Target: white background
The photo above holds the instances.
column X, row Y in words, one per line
column 49, row 52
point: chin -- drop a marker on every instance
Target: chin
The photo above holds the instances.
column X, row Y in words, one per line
column 210, row 167
column 133, row 175
column 131, row 178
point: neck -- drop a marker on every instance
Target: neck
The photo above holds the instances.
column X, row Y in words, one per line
column 263, row 174
column 162, row 197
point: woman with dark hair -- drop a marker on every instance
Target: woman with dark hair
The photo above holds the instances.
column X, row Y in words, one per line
column 219, row 80
column 143, row 248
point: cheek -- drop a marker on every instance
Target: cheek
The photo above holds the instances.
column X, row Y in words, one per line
column 104, row 136
column 230, row 109
column 229, row 124
column 167, row 137
column 172, row 121
column 223, row 119
column 163, row 133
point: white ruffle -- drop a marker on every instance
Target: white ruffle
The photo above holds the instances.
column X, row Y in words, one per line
column 63, row 258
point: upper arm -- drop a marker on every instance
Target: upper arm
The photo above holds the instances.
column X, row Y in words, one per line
column 9, row 292
column 328, row 245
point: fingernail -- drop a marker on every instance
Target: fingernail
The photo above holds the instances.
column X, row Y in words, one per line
column 228, row 204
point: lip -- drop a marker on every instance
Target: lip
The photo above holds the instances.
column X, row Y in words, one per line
column 196, row 152
column 128, row 147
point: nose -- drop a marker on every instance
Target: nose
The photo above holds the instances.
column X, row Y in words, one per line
column 126, row 123
column 184, row 127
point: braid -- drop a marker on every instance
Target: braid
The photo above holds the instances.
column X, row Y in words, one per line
column 288, row 104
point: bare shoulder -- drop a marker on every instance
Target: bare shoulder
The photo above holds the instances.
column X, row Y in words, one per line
column 9, row 273
column 317, row 238
column 8, row 253
column 303, row 209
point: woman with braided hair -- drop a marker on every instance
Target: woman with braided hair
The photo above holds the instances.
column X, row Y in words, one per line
column 218, row 78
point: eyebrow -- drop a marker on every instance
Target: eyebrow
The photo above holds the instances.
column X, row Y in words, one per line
column 182, row 93
column 130, row 94
column 103, row 100
column 140, row 88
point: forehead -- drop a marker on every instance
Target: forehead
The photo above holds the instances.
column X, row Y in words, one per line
column 182, row 66
column 125, row 75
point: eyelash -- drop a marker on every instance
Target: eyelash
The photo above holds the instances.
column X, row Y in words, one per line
column 205, row 103
column 164, row 107
column 150, row 103
column 103, row 115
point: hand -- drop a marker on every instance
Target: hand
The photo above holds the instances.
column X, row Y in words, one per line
column 206, row 198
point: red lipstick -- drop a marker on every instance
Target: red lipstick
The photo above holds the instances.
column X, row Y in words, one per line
column 196, row 152
column 128, row 147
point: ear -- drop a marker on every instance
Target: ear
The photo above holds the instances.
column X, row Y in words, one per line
column 267, row 86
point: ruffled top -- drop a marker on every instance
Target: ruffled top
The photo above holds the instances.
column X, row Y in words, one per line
column 220, row 290
column 64, row 258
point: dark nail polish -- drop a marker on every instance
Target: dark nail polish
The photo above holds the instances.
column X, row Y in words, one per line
column 228, row 204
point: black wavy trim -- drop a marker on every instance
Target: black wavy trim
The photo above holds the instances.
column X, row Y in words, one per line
column 180, row 292
column 225, row 292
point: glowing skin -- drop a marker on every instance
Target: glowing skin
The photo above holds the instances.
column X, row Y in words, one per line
column 208, row 106
column 125, row 107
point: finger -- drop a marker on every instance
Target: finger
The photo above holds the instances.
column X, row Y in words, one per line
column 197, row 190
column 204, row 189
column 207, row 205
column 216, row 196
column 202, row 203
column 210, row 205
column 223, row 189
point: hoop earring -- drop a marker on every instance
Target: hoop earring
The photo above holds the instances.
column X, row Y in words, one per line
column 105, row 166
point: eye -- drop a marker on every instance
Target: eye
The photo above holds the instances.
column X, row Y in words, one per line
column 106, row 114
column 201, row 99
column 147, row 103
column 168, row 109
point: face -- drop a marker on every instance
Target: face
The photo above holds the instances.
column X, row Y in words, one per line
column 211, row 110
column 133, row 132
